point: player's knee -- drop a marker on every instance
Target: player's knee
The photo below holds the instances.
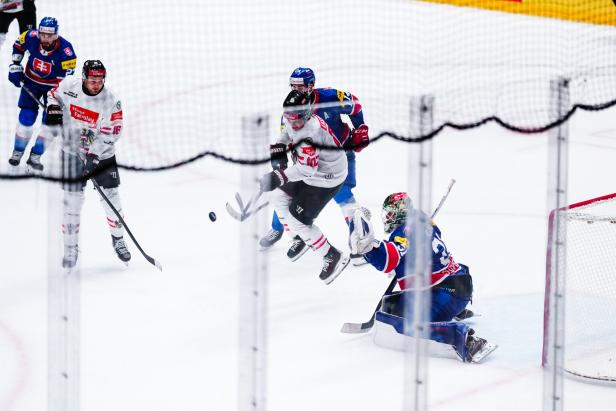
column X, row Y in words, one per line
column 73, row 201
column 27, row 117
column 344, row 195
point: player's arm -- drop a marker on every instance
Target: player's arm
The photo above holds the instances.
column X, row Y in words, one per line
column 387, row 256
column 109, row 131
column 16, row 71
column 351, row 106
column 68, row 61
column 53, row 111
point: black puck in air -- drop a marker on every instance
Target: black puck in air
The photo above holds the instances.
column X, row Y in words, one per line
column 212, row 216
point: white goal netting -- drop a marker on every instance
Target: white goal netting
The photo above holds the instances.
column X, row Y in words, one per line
column 590, row 300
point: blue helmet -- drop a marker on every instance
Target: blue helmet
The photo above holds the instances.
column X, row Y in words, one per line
column 48, row 25
column 302, row 76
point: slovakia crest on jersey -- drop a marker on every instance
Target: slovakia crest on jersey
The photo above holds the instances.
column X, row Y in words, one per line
column 68, row 51
column 41, row 66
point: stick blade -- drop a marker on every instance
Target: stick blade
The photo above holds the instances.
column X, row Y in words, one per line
column 233, row 213
column 354, row 328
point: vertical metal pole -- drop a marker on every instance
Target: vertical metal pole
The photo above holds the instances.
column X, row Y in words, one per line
column 63, row 309
column 418, row 260
column 253, row 279
column 554, row 331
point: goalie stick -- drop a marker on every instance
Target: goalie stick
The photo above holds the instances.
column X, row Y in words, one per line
column 245, row 211
column 358, row 328
column 147, row 257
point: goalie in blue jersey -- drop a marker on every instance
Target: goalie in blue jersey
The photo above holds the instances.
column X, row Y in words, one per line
column 451, row 283
column 331, row 105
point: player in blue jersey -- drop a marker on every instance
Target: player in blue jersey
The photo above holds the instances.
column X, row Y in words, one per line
column 330, row 104
column 51, row 58
column 451, row 282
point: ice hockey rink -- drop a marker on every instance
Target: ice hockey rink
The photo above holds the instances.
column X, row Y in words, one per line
column 162, row 341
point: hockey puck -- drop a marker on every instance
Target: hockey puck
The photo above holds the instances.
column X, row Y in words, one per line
column 212, row 216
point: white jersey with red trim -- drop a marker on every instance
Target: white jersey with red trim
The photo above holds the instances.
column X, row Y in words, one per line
column 11, row 6
column 316, row 167
column 92, row 124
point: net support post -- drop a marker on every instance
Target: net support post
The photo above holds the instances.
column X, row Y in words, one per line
column 554, row 306
column 63, row 305
column 253, row 277
column 418, row 258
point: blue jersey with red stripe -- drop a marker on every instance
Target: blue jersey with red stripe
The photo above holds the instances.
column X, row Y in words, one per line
column 336, row 103
column 392, row 254
column 45, row 68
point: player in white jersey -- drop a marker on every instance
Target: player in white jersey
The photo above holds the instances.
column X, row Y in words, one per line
column 300, row 192
column 22, row 10
column 90, row 117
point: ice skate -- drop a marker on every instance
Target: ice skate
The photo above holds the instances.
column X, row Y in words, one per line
column 333, row 264
column 121, row 250
column 358, row 260
column 297, row 249
column 477, row 349
column 16, row 158
column 270, row 239
column 34, row 161
column 71, row 252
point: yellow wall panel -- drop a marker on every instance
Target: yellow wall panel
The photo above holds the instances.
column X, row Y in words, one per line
column 587, row 11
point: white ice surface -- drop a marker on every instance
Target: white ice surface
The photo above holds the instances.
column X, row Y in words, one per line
column 168, row 341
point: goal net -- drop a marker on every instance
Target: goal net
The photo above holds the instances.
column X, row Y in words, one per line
column 590, row 288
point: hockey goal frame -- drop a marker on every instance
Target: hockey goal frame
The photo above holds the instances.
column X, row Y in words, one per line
column 548, row 285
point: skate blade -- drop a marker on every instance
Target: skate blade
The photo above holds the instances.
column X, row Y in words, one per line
column 486, row 350
column 297, row 257
column 345, row 262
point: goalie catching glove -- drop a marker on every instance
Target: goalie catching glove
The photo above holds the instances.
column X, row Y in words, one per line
column 362, row 234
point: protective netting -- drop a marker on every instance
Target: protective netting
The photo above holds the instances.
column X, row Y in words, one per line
column 188, row 71
column 590, row 326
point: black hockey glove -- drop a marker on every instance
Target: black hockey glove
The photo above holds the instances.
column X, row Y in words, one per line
column 54, row 115
column 273, row 180
column 90, row 165
column 278, row 156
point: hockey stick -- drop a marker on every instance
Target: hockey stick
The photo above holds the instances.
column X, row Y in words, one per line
column 31, row 94
column 358, row 328
column 245, row 211
column 147, row 257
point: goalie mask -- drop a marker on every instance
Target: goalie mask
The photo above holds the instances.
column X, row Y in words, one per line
column 394, row 211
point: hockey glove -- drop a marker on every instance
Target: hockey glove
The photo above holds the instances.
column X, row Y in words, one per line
column 53, row 116
column 90, row 165
column 273, row 180
column 359, row 138
column 362, row 235
column 16, row 74
column 278, row 156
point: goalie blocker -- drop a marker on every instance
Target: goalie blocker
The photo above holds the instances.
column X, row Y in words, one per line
column 451, row 283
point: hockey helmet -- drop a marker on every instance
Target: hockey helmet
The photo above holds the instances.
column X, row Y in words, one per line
column 394, row 210
column 93, row 68
column 297, row 106
column 49, row 25
column 302, row 76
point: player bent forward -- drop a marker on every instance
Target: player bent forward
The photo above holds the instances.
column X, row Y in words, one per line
column 89, row 116
column 451, row 283
column 300, row 192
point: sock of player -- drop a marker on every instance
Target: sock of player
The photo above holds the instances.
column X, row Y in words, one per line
column 23, row 134
column 73, row 202
column 348, row 209
column 46, row 134
column 115, row 227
